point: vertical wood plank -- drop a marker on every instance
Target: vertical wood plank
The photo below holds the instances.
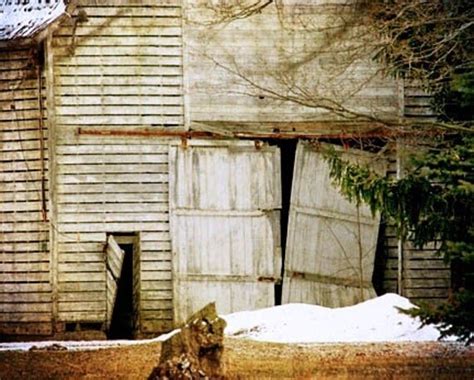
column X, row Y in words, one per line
column 115, row 257
column 225, row 237
column 331, row 242
column 51, row 122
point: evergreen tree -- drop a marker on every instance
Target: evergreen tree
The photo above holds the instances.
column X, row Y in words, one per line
column 434, row 201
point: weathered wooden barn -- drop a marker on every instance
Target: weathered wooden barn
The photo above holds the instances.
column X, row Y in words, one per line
column 153, row 161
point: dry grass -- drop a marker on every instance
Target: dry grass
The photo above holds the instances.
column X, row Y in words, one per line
column 132, row 362
column 247, row 360
column 254, row 360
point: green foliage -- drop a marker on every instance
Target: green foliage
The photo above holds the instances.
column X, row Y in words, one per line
column 452, row 318
column 455, row 100
column 433, row 202
column 431, row 42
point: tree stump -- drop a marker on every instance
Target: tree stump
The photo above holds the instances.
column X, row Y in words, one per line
column 195, row 351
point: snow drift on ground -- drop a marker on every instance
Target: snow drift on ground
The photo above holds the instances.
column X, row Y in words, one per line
column 82, row 345
column 375, row 320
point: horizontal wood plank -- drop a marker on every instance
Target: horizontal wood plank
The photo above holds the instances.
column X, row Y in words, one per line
column 156, row 265
column 82, row 296
column 156, row 326
column 171, row 94
column 82, row 286
column 153, row 99
column 32, row 267
column 90, row 306
column 160, row 304
column 116, row 51
column 114, row 148
column 156, row 295
column 80, row 256
column 10, row 252
column 26, row 328
column 112, row 80
column 120, row 178
column 104, row 60
column 157, row 209
column 97, row 27
column 111, row 217
column 26, row 317
column 154, row 119
column 111, row 188
column 26, row 298
column 82, row 316
column 118, row 69
column 6, row 278
column 156, row 314
column 155, row 276
column 28, row 237
column 155, row 284
column 35, row 307
column 113, row 226
column 76, row 277
column 79, row 199
column 18, row 288
column 426, row 293
column 130, row 158
column 160, row 12
column 81, row 267
column 113, row 169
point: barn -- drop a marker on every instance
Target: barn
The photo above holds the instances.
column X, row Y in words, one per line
column 153, row 161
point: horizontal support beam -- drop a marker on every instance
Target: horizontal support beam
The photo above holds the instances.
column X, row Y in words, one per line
column 329, row 280
column 225, row 278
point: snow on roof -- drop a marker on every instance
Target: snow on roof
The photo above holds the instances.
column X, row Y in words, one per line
column 25, row 18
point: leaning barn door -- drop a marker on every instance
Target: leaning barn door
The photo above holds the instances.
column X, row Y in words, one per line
column 224, row 203
column 114, row 258
column 331, row 242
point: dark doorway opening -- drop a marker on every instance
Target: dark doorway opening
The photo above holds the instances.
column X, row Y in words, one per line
column 122, row 323
column 288, row 155
column 380, row 262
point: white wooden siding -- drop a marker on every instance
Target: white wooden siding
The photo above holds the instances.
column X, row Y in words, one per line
column 129, row 195
column 282, row 51
column 323, row 263
column 120, row 69
column 224, row 203
column 425, row 275
column 25, row 287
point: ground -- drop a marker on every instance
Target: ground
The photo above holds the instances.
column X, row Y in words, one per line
column 246, row 359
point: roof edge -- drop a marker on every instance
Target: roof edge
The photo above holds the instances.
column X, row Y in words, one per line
column 41, row 34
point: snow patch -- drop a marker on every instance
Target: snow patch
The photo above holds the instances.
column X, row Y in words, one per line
column 83, row 345
column 375, row 320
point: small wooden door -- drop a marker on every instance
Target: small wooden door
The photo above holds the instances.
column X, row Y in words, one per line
column 331, row 242
column 224, row 204
column 114, row 258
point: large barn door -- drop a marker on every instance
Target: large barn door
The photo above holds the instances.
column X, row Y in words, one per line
column 331, row 242
column 114, row 257
column 224, row 204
